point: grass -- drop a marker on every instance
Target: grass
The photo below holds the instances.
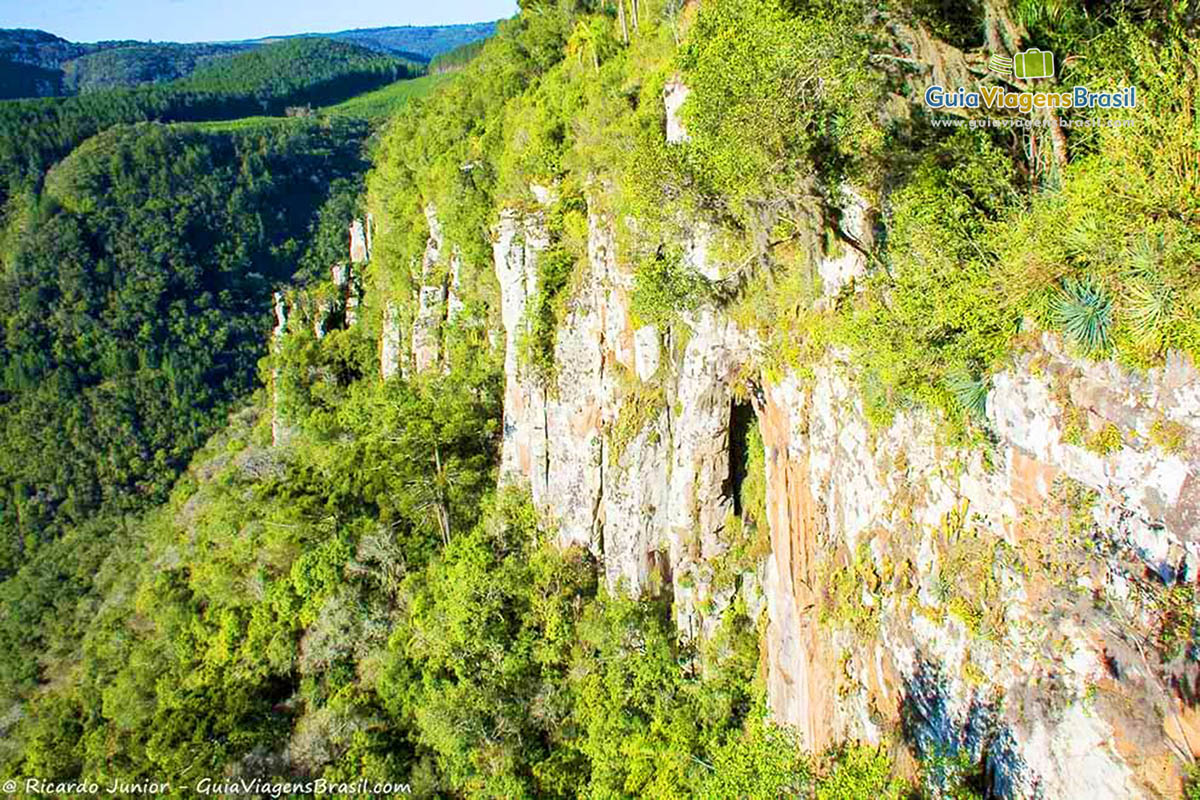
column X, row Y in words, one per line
column 375, row 105
column 384, row 102
column 234, row 125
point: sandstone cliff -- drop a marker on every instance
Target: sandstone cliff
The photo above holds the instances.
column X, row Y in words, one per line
column 1009, row 603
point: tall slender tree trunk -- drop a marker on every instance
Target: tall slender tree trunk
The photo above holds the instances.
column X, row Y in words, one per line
column 442, row 509
column 635, row 13
column 621, row 16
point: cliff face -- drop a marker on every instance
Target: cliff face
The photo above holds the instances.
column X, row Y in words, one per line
column 1007, row 603
column 646, row 495
column 1018, row 603
column 1003, row 603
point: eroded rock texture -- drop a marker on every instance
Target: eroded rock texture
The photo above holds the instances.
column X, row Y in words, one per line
column 1001, row 602
column 1010, row 602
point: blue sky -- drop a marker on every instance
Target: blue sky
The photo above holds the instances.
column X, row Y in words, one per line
column 214, row 20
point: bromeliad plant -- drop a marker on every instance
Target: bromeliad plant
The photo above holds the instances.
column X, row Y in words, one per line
column 970, row 392
column 1084, row 311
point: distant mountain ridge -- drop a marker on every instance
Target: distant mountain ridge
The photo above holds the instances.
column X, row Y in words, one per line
column 405, row 40
column 36, row 63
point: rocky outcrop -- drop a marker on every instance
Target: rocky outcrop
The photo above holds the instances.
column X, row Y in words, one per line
column 674, row 95
column 332, row 306
column 1024, row 602
column 359, row 250
column 346, row 297
column 997, row 602
column 336, row 306
column 391, row 342
column 625, row 452
column 518, row 241
column 990, row 602
column 431, row 298
column 280, row 431
column 438, row 296
column 895, row 557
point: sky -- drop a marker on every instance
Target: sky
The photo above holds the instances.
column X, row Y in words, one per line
column 217, row 20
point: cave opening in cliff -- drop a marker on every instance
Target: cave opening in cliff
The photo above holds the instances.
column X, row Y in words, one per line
column 741, row 421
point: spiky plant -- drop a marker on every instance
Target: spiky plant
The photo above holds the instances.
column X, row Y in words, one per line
column 1145, row 255
column 1084, row 311
column 1148, row 310
column 1149, row 304
column 1083, row 239
column 969, row 391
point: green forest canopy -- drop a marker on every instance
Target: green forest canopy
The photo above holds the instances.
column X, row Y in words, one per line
column 355, row 606
column 136, row 301
column 36, row 133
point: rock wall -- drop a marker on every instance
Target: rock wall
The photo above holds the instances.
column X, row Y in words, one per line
column 280, row 431
column 359, row 248
column 431, row 299
column 1032, row 572
column 648, row 494
column 1023, row 603
column 1003, row 602
column 437, row 297
column 674, row 95
column 334, row 306
column 391, row 342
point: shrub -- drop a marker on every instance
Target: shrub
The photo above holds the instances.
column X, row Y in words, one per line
column 1107, row 440
column 860, row 771
column 664, row 285
column 541, row 321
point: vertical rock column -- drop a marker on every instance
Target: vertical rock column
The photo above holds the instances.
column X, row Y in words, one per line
column 518, row 241
column 360, row 254
column 280, row 431
column 431, row 299
column 635, row 473
column 674, row 94
column 391, row 342
column 800, row 684
column 699, row 493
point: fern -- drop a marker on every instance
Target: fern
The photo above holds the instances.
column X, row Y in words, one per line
column 1085, row 313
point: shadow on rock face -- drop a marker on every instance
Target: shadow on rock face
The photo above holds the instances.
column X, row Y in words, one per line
column 971, row 750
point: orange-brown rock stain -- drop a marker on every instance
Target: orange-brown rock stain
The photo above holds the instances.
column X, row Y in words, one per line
column 792, row 517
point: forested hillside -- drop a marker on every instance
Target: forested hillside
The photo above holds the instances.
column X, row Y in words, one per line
column 133, row 65
column 455, row 59
column 424, row 41
column 692, row 412
column 38, row 64
column 36, row 133
column 134, row 300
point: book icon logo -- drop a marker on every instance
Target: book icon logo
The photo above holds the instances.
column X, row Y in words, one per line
column 1031, row 63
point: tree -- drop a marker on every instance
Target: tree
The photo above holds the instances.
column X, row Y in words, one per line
column 592, row 36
